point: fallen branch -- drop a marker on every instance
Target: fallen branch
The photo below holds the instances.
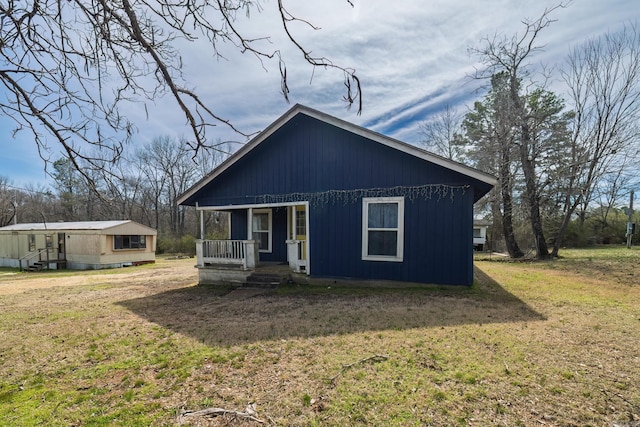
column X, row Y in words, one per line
column 375, row 358
column 214, row 412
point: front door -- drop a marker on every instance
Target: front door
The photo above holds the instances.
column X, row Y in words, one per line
column 300, row 224
column 62, row 247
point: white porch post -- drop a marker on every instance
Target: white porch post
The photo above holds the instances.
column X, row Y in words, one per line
column 202, row 233
column 293, row 222
column 306, row 241
column 199, row 254
column 251, row 257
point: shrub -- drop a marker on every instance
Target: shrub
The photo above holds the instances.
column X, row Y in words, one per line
column 185, row 245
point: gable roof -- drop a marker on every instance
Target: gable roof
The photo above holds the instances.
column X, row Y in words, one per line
column 77, row 225
column 342, row 124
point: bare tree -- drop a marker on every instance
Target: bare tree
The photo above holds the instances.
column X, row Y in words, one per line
column 168, row 170
column 154, row 180
column 509, row 56
column 439, row 133
column 603, row 76
column 121, row 193
column 8, row 202
column 35, row 203
column 68, row 66
column 613, row 190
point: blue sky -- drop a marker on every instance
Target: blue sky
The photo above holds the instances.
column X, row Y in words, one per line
column 411, row 56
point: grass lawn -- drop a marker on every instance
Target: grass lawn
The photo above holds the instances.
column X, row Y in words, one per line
column 553, row 343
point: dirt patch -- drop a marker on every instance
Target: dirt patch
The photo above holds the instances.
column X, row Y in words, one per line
column 163, row 273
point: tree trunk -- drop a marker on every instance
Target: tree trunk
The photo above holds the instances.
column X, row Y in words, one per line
column 497, row 229
column 560, row 234
column 507, row 203
column 528, row 169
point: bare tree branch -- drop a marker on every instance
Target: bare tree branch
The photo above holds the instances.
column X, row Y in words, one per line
column 353, row 94
column 603, row 76
column 68, row 68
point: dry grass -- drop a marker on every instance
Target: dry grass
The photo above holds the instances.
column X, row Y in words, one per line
column 530, row 344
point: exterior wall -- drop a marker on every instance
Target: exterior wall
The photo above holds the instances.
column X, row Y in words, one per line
column 310, row 156
column 84, row 248
column 12, row 246
column 107, row 245
column 437, row 243
column 15, row 245
column 279, row 233
column 239, row 224
column 481, row 240
column 97, row 251
column 307, row 155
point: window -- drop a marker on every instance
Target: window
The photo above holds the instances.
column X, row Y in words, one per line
column 382, row 228
column 32, row 242
column 129, row 242
column 261, row 229
column 301, row 223
column 477, row 233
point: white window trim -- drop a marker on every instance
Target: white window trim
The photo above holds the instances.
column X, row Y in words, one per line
column 269, row 230
column 365, row 229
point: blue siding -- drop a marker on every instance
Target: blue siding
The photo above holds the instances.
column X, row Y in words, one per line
column 279, row 219
column 239, row 224
column 306, row 155
column 437, row 242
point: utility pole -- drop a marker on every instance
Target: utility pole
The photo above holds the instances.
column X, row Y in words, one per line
column 629, row 223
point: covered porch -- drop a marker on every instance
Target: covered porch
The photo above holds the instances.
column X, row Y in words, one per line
column 258, row 235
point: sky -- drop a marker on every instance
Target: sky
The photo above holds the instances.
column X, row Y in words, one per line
column 412, row 57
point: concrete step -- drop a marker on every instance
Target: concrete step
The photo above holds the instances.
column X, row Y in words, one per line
column 263, row 280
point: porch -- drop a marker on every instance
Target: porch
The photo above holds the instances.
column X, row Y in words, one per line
column 259, row 235
column 237, row 262
column 42, row 259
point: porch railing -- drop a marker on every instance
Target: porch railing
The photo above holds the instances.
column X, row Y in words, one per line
column 32, row 255
column 243, row 253
column 296, row 251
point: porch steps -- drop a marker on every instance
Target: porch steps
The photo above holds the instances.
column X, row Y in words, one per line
column 263, row 280
column 36, row 266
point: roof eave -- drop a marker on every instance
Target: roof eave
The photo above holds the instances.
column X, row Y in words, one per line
column 350, row 127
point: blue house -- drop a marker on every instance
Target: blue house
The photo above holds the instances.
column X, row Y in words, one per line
column 334, row 200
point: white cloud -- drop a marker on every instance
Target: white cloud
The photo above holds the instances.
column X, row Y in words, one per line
column 411, row 57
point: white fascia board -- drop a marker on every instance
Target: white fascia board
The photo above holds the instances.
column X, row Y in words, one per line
column 254, row 206
column 240, row 153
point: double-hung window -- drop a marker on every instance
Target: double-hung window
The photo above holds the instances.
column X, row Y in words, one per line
column 261, row 229
column 382, row 228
